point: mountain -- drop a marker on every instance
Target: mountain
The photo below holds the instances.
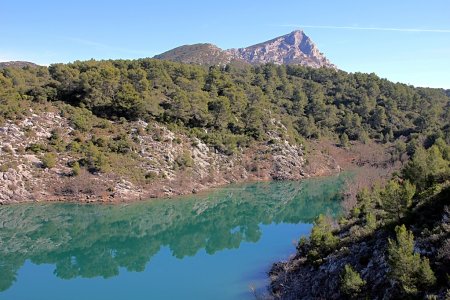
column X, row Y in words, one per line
column 201, row 54
column 295, row 48
column 17, row 64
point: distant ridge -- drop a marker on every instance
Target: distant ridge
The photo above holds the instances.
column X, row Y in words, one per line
column 293, row 48
column 202, row 54
column 17, row 64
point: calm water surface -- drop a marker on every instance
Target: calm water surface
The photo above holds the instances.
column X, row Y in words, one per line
column 211, row 246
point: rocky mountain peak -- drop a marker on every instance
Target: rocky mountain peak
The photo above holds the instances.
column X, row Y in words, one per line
column 293, row 48
column 301, row 41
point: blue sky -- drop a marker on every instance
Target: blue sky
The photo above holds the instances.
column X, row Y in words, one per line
column 406, row 41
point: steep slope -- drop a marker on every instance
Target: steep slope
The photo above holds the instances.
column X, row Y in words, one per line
column 394, row 244
column 295, row 48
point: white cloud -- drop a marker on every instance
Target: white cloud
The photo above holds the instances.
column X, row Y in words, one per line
column 368, row 28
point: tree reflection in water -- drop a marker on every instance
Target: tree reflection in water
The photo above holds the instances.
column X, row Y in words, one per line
column 97, row 240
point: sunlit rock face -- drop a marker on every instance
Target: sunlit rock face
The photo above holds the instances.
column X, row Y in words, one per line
column 295, row 48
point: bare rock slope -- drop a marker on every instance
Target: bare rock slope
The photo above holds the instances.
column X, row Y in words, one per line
column 23, row 177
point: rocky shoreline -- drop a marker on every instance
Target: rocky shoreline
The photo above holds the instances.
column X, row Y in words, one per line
column 25, row 180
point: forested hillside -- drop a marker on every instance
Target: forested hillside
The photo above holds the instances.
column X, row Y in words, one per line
column 395, row 243
column 109, row 117
column 234, row 103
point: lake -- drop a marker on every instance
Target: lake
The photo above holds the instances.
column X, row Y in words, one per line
column 216, row 245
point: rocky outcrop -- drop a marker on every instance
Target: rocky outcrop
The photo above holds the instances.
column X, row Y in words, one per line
column 295, row 48
column 23, row 177
column 299, row 279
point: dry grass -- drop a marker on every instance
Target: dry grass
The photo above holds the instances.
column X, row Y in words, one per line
column 371, row 163
column 83, row 184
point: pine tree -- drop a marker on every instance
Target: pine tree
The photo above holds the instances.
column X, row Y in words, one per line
column 344, row 140
column 322, row 239
column 407, row 267
column 76, row 169
column 396, row 198
column 351, row 282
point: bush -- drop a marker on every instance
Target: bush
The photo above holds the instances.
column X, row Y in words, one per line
column 184, row 160
column 82, row 119
column 49, row 160
column 37, row 148
column 9, row 165
column 351, row 282
column 322, row 239
column 76, row 169
column 371, row 221
column 74, row 146
column 95, row 160
column 150, row 176
column 344, row 141
column 7, row 149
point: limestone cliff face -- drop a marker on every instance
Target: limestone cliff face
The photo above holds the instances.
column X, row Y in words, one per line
column 294, row 48
column 23, row 178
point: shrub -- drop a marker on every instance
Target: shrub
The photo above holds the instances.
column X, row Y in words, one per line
column 150, row 176
column 7, row 149
column 73, row 146
column 95, row 160
column 4, row 168
column 82, row 119
column 322, row 239
column 344, row 141
column 351, row 282
column 371, row 221
column 49, row 160
column 56, row 140
column 76, row 169
column 37, row 148
column 184, row 160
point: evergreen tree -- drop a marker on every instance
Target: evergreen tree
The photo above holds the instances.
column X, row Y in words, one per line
column 344, row 141
column 407, row 267
column 322, row 239
column 351, row 282
column 396, row 198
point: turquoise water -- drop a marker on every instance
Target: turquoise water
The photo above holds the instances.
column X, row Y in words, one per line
column 211, row 246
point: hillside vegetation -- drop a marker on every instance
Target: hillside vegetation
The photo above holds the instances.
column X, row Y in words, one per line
column 395, row 243
column 131, row 123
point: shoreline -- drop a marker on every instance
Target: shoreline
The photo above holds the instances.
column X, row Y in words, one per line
column 324, row 159
column 202, row 191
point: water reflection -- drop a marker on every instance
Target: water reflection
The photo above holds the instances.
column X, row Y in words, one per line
column 96, row 240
